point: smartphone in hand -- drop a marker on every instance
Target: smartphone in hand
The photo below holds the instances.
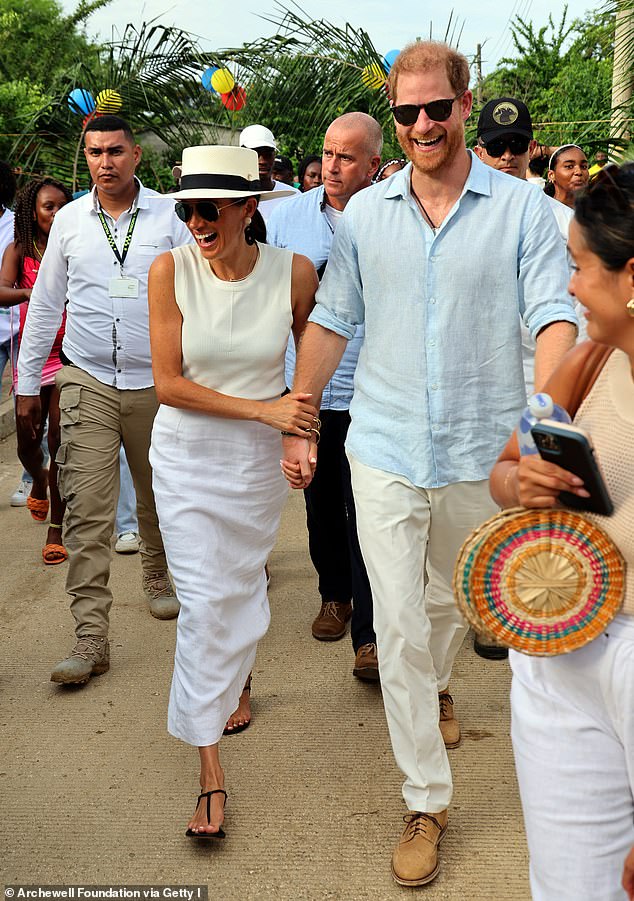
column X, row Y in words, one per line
column 571, row 448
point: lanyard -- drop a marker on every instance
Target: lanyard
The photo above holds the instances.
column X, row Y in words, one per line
column 128, row 238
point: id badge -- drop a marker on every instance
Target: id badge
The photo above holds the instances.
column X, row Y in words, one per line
column 123, row 287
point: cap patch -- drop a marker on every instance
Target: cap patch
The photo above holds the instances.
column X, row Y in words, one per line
column 505, row 113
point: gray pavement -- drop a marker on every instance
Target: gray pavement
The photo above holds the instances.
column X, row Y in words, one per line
column 95, row 791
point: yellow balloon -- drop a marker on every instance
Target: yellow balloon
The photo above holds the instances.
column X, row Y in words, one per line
column 373, row 76
column 222, row 81
column 108, row 101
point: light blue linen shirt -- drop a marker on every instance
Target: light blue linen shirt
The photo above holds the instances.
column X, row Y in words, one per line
column 439, row 385
column 300, row 224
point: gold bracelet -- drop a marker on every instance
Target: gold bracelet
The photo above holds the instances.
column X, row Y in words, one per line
column 515, row 500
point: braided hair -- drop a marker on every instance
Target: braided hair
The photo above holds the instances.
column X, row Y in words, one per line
column 25, row 224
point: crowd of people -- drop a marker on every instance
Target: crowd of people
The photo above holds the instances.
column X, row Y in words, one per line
column 246, row 332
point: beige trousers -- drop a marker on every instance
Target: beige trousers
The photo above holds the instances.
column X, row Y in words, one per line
column 95, row 419
column 410, row 538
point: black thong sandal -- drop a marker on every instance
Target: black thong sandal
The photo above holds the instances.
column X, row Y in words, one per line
column 242, row 726
column 220, row 833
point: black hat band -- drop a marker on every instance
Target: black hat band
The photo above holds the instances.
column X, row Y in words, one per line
column 219, row 182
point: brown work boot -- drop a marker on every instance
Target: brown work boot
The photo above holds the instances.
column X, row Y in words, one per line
column 160, row 594
column 330, row 623
column 449, row 725
column 366, row 663
column 90, row 657
column 415, row 858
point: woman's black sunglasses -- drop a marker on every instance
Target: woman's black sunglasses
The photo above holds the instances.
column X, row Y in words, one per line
column 206, row 209
column 438, row 110
column 517, row 144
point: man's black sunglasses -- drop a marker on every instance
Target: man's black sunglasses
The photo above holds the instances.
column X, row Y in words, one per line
column 206, row 209
column 517, row 144
column 438, row 110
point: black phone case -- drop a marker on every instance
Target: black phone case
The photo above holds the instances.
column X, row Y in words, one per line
column 576, row 456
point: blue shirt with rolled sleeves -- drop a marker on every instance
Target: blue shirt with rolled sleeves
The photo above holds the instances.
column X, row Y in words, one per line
column 439, row 384
column 300, row 225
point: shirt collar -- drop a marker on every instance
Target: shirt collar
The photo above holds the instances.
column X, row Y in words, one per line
column 478, row 180
column 140, row 198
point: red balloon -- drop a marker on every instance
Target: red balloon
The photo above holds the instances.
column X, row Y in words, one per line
column 89, row 117
column 235, row 99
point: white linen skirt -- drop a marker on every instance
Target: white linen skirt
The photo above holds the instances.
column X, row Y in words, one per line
column 219, row 495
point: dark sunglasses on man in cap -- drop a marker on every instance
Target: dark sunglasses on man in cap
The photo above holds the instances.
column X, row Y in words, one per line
column 206, row 209
column 437, row 110
column 517, row 144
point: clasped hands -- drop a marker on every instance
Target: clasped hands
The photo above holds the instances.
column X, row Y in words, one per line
column 293, row 413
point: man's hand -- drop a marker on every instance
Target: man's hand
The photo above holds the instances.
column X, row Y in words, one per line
column 29, row 415
column 300, row 460
column 628, row 875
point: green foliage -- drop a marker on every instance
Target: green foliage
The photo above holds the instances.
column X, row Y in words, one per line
column 563, row 72
column 156, row 70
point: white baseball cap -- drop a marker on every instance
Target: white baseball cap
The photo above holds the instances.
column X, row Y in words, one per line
column 257, row 136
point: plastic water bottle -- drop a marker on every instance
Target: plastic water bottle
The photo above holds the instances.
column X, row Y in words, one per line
column 540, row 406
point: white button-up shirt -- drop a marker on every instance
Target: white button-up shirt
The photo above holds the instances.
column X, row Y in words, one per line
column 108, row 337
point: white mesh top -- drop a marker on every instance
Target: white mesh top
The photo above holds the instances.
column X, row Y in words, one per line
column 607, row 414
column 234, row 334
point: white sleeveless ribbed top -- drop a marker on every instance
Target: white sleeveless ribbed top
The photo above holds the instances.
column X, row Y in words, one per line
column 607, row 414
column 234, row 334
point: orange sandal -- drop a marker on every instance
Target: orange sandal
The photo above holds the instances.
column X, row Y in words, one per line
column 54, row 553
column 38, row 508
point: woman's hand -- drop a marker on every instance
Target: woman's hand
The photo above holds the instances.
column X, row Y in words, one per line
column 300, row 461
column 291, row 413
column 539, row 482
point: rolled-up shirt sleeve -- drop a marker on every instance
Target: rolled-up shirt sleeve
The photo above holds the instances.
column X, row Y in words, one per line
column 543, row 271
column 339, row 305
column 44, row 316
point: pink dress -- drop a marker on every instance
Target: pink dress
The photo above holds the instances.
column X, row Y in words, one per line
column 30, row 268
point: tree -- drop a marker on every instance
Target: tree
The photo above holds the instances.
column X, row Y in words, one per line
column 563, row 73
column 40, row 33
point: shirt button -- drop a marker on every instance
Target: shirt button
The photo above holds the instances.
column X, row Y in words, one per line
column 119, row 348
column 118, row 370
column 115, row 263
column 117, row 320
column 432, row 300
column 432, row 343
column 435, row 428
column 433, row 259
column 434, row 387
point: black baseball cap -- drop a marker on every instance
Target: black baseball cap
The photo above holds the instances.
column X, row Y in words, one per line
column 282, row 163
column 504, row 116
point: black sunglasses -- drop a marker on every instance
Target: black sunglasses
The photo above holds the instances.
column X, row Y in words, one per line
column 517, row 144
column 206, row 209
column 438, row 110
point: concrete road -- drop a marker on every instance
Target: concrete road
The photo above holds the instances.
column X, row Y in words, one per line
column 95, row 791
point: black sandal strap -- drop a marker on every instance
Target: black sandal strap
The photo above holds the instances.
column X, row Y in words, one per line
column 215, row 791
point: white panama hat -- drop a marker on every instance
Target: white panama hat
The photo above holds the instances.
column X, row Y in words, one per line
column 214, row 172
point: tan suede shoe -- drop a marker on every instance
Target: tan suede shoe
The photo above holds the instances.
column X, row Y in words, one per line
column 415, row 858
column 449, row 725
column 330, row 622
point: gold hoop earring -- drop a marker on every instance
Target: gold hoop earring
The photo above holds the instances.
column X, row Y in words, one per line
column 630, row 307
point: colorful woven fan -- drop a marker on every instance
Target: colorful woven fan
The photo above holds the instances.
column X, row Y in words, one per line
column 543, row 582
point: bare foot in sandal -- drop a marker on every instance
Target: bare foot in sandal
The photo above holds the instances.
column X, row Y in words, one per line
column 240, row 719
column 209, row 814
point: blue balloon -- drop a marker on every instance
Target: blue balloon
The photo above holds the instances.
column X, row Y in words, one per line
column 206, row 79
column 388, row 59
column 81, row 101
